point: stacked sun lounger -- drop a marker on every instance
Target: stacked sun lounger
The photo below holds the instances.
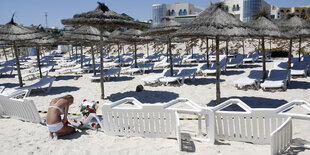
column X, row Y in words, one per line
column 191, row 73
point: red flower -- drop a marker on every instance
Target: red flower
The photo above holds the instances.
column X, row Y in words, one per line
column 91, row 110
column 87, row 106
column 81, row 122
column 93, row 124
column 97, row 102
column 84, row 100
column 74, row 121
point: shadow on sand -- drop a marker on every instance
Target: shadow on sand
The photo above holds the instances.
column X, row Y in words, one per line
column 145, row 96
column 54, row 91
column 69, row 77
column 253, row 102
column 201, row 81
column 299, row 85
column 117, row 79
column 9, row 85
column 233, row 72
column 247, row 65
column 75, row 135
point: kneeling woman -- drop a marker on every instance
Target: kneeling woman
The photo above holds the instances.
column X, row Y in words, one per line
column 55, row 125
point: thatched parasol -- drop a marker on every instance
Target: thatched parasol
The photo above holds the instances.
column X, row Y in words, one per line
column 87, row 34
column 263, row 27
column 17, row 34
column 132, row 36
column 167, row 27
column 3, row 43
column 214, row 22
column 102, row 18
column 293, row 27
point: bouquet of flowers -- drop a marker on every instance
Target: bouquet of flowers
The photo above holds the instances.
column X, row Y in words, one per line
column 89, row 107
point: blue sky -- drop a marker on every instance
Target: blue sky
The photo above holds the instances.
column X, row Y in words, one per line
column 33, row 11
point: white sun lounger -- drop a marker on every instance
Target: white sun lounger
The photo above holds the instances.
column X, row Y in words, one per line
column 180, row 77
column 253, row 79
column 162, row 64
column 300, row 69
column 155, row 78
column 22, row 109
column 6, row 69
column 108, row 73
column 235, row 62
column 29, row 76
column 38, row 85
column 277, row 79
column 251, row 58
column 212, row 69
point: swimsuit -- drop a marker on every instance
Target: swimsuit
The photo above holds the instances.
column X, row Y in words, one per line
column 57, row 126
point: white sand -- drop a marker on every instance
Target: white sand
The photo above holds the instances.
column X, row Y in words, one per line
column 17, row 137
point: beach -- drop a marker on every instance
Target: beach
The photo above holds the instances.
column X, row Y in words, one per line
column 18, row 137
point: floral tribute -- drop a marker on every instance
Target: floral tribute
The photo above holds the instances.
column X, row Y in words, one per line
column 89, row 107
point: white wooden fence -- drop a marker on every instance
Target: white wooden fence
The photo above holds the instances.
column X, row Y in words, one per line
column 250, row 125
column 281, row 138
column 23, row 109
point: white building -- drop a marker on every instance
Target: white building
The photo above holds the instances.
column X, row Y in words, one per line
column 182, row 12
column 245, row 9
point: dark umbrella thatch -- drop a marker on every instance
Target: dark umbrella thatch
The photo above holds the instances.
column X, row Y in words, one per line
column 263, row 27
column 86, row 34
column 102, row 18
column 167, row 27
column 17, row 34
column 293, row 27
column 214, row 22
column 132, row 36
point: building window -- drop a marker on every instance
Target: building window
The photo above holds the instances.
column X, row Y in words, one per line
column 180, row 12
column 184, row 12
column 168, row 13
column 172, row 13
column 238, row 7
column 234, row 8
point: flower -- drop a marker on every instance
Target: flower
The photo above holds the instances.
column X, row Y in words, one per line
column 74, row 121
column 81, row 122
column 84, row 100
column 93, row 124
column 97, row 102
column 91, row 110
column 87, row 106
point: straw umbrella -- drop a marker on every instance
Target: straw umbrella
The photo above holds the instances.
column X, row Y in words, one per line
column 3, row 43
column 263, row 27
column 87, row 34
column 102, row 18
column 167, row 27
column 133, row 36
column 294, row 27
column 214, row 22
column 17, row 34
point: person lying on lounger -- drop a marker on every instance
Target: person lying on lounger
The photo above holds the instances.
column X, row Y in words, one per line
column 55, row 125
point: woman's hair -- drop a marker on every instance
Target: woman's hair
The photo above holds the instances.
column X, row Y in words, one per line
column 66, row 97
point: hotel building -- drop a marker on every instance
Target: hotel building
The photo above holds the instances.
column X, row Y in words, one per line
column 181, row 12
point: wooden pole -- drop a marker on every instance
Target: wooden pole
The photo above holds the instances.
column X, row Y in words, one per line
column 167, row 48
column 218, row 72
column 243, row 52
column 290, row 54
column 6, row 57
column 38, row 59
column 226, row 50
column 18, row 65
column 93, row 59
column 264, row 58
column 171, row 58
column 207, row 44
column 258, row 48
column 135, row 46
column 118, row 53
column 101, row 65
column 75, row 52
column 299, row 51
column 147, row 49
column 81, row 56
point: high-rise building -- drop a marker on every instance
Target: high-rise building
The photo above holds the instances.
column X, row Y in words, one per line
column 245, row 9
column 181, row 12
